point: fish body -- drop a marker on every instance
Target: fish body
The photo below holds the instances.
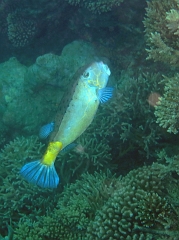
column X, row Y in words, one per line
column 83, row 105
column 79, row 112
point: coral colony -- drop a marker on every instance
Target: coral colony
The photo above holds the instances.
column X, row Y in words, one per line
column 119, row 177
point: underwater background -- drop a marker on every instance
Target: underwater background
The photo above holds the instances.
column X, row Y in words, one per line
column 121, row 181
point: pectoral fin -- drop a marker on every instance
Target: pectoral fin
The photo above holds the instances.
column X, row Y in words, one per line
column 105, row 94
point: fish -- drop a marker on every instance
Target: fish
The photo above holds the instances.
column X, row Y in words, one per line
column 46, row 130
column 75, row 113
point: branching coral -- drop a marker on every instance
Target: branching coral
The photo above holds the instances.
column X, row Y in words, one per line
column 98, row 6
column 90, row 153
column 130, row 118
column 75, row 209
column 101, row 206
column 167, row 109
column 162, row 33
column 135, row 209
column 154, row 211
column 173, row 21
column 161, row 27
column 17, row 197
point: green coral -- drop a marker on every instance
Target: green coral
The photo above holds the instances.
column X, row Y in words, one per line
column 167, row 109
column 17, row 197
column 136, row 209
column 90, row 154
column 38, row 89
column 21, row 29
column 58, row 71
column 11, row 78
column 17, row 103
column 44, row 71
column 121, row 126
column 130, row 118
column 161, row 27
column 102, row 206
column 98, row 6
column 75, row 209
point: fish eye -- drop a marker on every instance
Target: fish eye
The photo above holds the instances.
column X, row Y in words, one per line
column 86, row 74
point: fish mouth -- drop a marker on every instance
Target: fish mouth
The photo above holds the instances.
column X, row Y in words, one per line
column 106, row 68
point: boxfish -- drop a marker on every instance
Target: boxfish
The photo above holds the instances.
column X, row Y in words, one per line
column 75, row 113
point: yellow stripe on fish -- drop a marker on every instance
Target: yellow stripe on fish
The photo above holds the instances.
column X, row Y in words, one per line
column 81, row 106
column 51, row 153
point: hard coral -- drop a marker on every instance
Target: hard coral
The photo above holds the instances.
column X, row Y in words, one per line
column 101, row 206
column 135, row 210
column 167, row 109
column 17, row 197
column 21, row 30
column 75, row 209
column 161, row 27
column 93, row 155
column 98, row 6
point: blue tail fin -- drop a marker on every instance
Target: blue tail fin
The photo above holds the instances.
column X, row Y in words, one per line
column 40, row 174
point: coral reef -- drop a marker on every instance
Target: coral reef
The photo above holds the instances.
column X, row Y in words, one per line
column 58, row 71
column 136, row 210
column 23, row 22
column 161, row 27
column 167, row 110
column 89, row 154
column 143, row 204
column 45, row 70
column 11, row 78
column 75, row 208
column 21, row 29
column 121, row 126
column 98, row 6
column 18, row 198
column 102, row 206
column 130, row 118
column 41, row 85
